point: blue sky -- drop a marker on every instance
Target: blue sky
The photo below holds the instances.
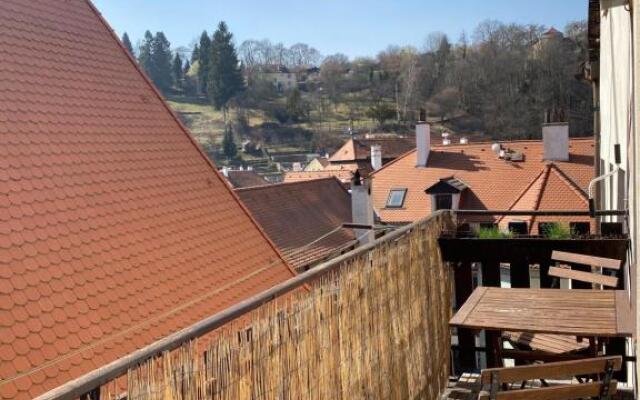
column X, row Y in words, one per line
column 352, row 27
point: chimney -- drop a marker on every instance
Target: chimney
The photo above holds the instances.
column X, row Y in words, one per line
column 376, row 157
column 423, row 143
column 362, row 209
column 555, row 136
column 225, row 171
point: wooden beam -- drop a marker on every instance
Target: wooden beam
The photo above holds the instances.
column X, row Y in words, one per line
column 568, row 273
column 556, row 370
column 584, row 259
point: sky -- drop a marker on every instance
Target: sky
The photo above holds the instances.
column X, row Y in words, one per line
column 353, row 27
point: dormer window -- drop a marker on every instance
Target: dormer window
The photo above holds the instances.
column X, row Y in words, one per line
column 446, row 193
column 396, row 198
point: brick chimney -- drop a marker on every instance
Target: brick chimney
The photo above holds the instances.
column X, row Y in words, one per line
column 555, row 136
column 362, row 208
column 376, row 157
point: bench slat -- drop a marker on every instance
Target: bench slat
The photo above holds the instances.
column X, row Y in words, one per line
column 584, row 259
column 559, row 272
column 556, row 370
column 562, row 392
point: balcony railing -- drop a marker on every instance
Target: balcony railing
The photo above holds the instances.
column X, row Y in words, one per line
column 372, row 323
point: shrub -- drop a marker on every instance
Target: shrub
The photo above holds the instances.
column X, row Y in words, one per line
column 493, row 233
column 556, row 231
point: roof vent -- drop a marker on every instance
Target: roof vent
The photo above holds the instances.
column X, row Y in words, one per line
column 464, row 140
column 446, row 142
column 496, row 148
column 445, row 135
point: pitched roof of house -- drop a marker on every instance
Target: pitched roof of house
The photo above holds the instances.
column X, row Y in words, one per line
column 344, row 175
column 359, row 149
column 241, row 179
column 299, row 213
column 115, row 230
column 493, row 183
column 551, row 189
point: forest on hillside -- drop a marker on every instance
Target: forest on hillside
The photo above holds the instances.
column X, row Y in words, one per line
column 498, row 81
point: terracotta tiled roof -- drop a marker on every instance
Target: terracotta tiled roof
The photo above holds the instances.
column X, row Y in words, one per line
column 549, row 190
column 343, row 175
column 296, row 214
column 241, row 179
column 359, row 149
column 493, row 183
column 115, row 230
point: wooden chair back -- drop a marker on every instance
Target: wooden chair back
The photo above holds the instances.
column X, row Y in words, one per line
column 602, row 387
column 565, row 271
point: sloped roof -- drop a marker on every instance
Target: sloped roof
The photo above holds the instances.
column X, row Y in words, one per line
column 359, row 149
column 115, row 230
column 240, row 179
column 343, row 175
column 494, row 184
column 297, row 214
column 551, row 189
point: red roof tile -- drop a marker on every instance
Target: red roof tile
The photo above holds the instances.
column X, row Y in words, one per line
column 297, row 214
column 115, row 230
column 494, row 184
column 344, row 175
column 359, row 149
column 241, row 179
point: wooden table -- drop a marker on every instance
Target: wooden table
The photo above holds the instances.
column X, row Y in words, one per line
column 579, row 312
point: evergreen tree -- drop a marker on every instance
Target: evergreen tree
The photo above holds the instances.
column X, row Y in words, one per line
column 177, row 70
column 187, row 67
column 228, row 143
column 144, row 53
column 161, row 62
column 195, row 54
column 225, row 77
column 204, row 58
column 127, row 43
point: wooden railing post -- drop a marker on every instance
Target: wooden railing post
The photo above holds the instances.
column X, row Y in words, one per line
column 466, row 338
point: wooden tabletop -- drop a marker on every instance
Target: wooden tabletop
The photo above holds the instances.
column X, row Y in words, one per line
column 580, row 312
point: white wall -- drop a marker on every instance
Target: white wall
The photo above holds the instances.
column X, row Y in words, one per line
column 615, row 93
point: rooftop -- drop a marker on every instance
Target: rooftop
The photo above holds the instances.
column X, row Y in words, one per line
column 303, row 218
column 115, row 229
column 493, row 183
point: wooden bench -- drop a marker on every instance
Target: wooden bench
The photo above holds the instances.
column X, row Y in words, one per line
column 565, row 271
column 600, row 370
column 544, row 346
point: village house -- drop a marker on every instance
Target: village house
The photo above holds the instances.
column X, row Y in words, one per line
column 115, row 228
column 552, row 173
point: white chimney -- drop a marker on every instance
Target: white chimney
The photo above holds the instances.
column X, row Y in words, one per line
column 446, row 142
column 423, row 143
column 555, row 138
column 362, row 209
column 225, row 171
column 376, row 157
column 464, row 140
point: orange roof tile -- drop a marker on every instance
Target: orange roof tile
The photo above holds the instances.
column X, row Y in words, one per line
column 359, row 149
column 343, row 175
column 240, row 179
column 115, row 230
column 299, row 213
column 494, row 184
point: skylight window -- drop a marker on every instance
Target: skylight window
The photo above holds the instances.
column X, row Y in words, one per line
column 396, row 198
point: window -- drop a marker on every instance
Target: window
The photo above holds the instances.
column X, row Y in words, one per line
column 444, row 202
column 396, row 198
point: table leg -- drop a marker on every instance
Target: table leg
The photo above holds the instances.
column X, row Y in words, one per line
column 494, row 348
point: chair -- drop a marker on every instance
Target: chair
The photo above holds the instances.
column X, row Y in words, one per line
column 565, row 271
column 497, row 381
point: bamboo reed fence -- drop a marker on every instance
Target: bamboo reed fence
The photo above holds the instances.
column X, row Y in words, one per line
column 374, row 328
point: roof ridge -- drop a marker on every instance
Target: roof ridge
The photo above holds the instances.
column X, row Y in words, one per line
column 524, row 191
column 186, row 132
column 291, row 183
column 546, row 171
column 563, row 176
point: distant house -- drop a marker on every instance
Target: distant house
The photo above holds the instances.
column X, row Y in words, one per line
column 243, row 178
column 343, row 175
column 115, row 229
column 367, row 152
column 549, row 174
column 281, row 77
column 317, row 164
column 304, row 219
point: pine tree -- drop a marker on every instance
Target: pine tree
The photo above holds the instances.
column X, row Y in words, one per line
column 195, row 54
column 177, row 70
column 229, row 144
column 161, row 61
column 144, row 53
column 127, row 43
column 204, row 58
column 187, row 67
column 225, row 77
